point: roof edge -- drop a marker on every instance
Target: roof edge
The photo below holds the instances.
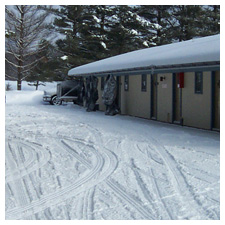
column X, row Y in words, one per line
column 191, row 67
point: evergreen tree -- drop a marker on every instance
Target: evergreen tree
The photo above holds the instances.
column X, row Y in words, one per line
column 158, row 22
column 96, row 32
column 194, row 21
column 126, row 30
column 187, row 22
column 82, row 43
column 211, row 20
column 49, row 67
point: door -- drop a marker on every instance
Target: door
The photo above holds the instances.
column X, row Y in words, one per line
column 216, row 100
column 154, row 84
column 176, row 99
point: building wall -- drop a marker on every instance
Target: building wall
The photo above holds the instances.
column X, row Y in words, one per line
column 135, row 102
column 164, row 97
column 196, row 108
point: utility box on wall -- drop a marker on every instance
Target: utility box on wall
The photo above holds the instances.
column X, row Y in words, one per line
column 181, row 80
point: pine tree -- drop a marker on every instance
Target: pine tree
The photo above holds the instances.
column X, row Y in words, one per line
column 73, row 22
column 49, row 67
column 126, row 30
column 158, row 22
column 194, row 21
column 211, row 20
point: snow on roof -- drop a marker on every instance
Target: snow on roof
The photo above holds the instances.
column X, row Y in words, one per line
column 199, row 50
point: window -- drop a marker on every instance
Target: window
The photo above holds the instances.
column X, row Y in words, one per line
column 198, row 83
column 102, row 83
column 144, row 82
column 126, row 83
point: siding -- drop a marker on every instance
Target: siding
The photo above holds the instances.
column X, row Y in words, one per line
column 196, row 108
column 135, row 102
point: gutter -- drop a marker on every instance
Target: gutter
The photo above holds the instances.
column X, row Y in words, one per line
column 192, row 67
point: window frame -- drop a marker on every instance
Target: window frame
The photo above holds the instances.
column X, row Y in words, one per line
column 126, row 82
column 199, row 84
column 144, row 82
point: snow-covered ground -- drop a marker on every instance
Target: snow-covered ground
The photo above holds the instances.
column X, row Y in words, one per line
column 63, row 163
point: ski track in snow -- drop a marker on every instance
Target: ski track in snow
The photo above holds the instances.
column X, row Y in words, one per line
column 101, row 159
column 178, row 179
column 160, row 187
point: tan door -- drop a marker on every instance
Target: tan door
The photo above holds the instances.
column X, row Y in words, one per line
column 216, row 124
column 154, row 84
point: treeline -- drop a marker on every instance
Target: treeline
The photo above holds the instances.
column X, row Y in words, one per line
column 86, row 33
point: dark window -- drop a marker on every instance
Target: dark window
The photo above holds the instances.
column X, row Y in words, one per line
column 102, row 83
column 198, row 83
column 126, row 83
column 144, row 82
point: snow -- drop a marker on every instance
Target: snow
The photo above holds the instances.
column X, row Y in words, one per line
column 206, row 49
column 96, row 19
column 65, row 57
column 103, row 44
column 63, row 163
column 27, row 87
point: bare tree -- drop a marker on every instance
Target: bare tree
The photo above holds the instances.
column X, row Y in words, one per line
column 25, row 26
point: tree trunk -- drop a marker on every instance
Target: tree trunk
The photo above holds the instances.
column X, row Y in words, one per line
column 19, row 76
column 20, row 60
column 19, row 84
column 37, row 84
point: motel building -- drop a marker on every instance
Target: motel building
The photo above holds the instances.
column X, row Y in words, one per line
column 177, row 83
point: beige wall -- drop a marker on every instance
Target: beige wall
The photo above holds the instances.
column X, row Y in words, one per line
column 135, row 102
column 196, row 108
column 164, row 97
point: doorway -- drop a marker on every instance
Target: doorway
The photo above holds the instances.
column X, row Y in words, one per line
column 216, row 100
column 154, row 84
column 177, row 100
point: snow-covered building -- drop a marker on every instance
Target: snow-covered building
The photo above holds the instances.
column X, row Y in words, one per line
column 175, row 83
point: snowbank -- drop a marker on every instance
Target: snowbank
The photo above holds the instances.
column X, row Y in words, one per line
column 26, row 87
column 28, row 95
column 24, row 97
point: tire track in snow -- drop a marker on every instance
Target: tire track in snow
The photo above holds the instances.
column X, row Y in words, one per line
column 35, row 160
column 19, row 187
column 180, row 183
column 148, row 195
column 153, row 178
column 73, row 189
column 88, row 205
column 129, row 199
column 122, row 194
column 159, row 195
column 76, row 155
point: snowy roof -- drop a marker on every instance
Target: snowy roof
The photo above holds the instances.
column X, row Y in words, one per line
column 199, row 50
